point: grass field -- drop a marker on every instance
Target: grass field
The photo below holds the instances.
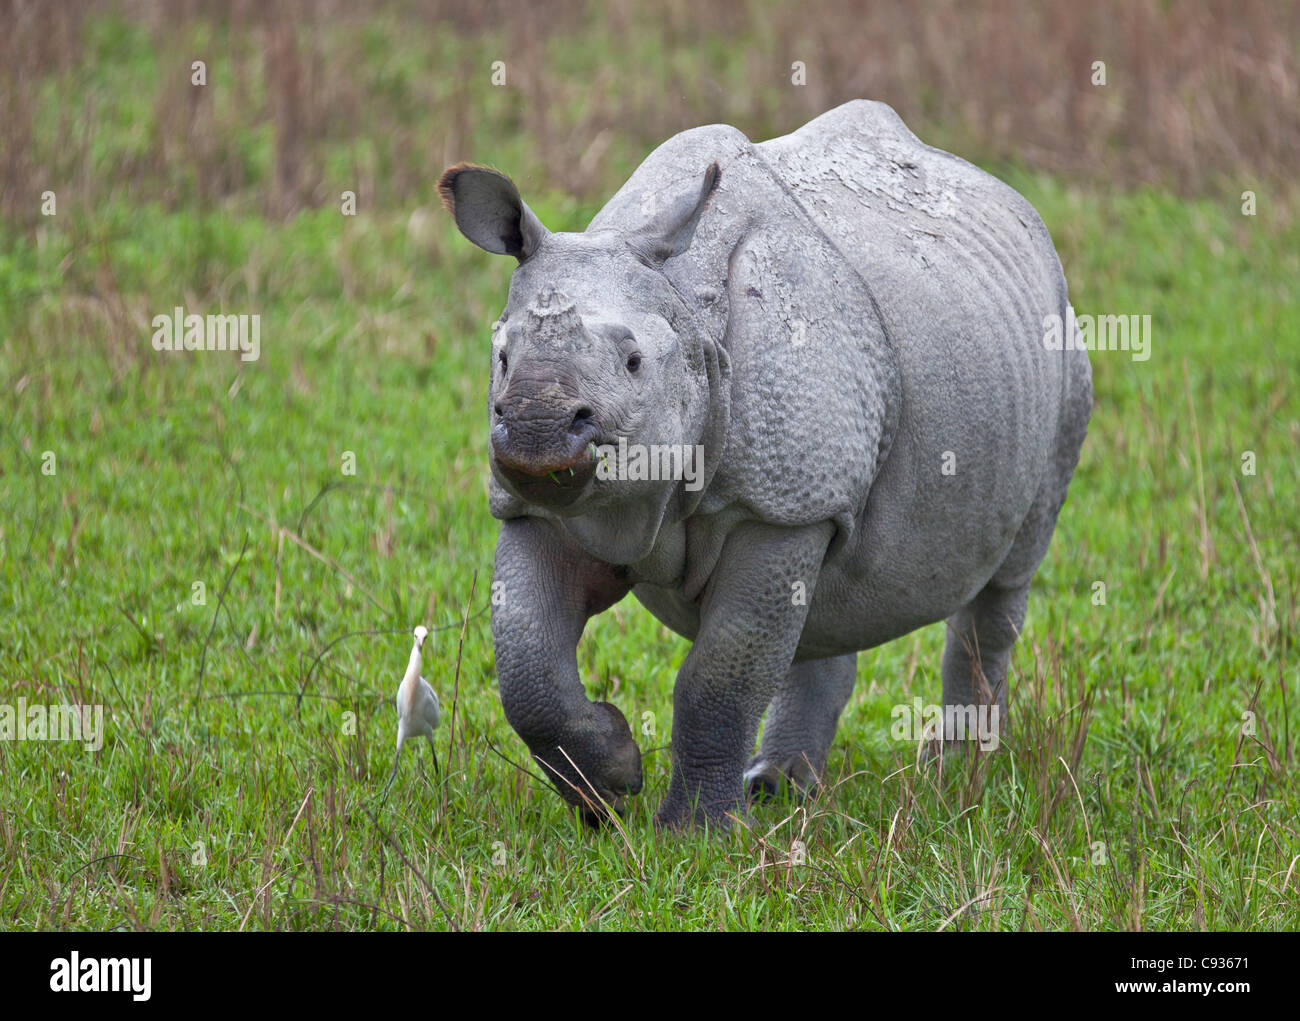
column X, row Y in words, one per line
column 180, row 543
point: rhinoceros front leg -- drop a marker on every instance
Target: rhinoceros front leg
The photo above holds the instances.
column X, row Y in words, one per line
column 544, row 590
column 752, row 614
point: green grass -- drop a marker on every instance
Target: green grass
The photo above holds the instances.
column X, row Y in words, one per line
column 1125, row 796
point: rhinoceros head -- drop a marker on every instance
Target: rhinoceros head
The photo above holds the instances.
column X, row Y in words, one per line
column 596, row 356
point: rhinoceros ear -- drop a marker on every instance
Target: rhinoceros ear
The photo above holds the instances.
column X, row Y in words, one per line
column 671, row 228
column 489, row 211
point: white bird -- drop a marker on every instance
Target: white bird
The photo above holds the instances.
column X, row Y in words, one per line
column 417, row 706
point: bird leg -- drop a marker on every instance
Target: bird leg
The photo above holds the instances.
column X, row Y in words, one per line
column 393, row 776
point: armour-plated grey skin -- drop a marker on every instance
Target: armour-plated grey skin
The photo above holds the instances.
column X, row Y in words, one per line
column 850, row 325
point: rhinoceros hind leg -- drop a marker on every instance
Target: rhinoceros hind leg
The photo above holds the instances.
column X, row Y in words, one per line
column 980, row 636
column 976, row 656
column 800, row 727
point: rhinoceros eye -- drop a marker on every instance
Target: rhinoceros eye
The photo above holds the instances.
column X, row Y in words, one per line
column 633, row 363
column 504, row 364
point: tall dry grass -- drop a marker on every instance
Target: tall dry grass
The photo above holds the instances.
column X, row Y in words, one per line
column 1195, row 94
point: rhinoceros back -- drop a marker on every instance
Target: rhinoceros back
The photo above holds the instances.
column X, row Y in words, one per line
column 905, row 214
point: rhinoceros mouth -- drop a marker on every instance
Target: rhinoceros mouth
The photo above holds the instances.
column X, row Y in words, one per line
column 553, row 482
column 574, row 451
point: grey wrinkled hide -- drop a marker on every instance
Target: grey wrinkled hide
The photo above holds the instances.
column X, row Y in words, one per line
column 833, row 316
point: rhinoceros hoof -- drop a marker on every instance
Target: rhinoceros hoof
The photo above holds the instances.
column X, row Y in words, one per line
column 766, row 781
column 675, row 815
column 599, row 814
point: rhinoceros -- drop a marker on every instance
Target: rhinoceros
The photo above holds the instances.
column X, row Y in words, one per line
column 838, row 336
